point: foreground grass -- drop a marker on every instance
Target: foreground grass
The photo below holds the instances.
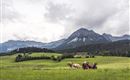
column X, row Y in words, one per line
column 101, row 74
column 109, row 68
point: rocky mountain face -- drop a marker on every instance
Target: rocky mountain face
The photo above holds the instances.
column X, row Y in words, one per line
column 87, row 36
column 82, row 37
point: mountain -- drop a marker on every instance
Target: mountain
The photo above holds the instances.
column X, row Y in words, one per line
column 14, row 44
column 53, row 44
column 116, row 38
column 82, row 37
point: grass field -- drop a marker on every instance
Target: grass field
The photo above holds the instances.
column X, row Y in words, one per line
column 109, row 68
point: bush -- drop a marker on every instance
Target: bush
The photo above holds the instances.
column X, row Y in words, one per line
column 56, row 58
column 53, row 57
column 87, row 56
column 21, row 58
column 59, row 58
column 92, row 56
column 18, row 58
column 68, row 56
column 128, row 55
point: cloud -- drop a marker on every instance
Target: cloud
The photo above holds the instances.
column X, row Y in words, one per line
column 118, row 23
column 92, row 14
column 50, row 20
column 57, row 12
column 8, row 13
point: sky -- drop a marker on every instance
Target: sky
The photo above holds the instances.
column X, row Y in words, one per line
column 51, row 20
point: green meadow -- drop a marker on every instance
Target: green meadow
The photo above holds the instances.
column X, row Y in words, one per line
column 109, row 68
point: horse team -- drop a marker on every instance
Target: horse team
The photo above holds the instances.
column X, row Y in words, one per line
column 85, row 65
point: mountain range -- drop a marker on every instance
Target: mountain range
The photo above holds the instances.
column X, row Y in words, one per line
column 116, row 38
column 81, row 37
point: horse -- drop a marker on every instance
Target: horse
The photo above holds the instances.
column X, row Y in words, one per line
column 94, row 66
column 86, row 65
column 74, row 65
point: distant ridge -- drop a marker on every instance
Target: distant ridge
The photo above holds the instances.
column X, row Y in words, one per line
column 116, row 38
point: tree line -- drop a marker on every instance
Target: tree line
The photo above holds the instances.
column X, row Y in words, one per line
column 27, row 50
column 119, row 48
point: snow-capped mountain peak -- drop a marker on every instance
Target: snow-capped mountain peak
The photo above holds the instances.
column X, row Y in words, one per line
column 83, row 37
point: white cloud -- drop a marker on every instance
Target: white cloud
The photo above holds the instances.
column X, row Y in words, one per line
column 49, row 20
column 117, row 24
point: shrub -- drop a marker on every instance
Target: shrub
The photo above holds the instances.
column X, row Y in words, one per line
column 128, row 55
column 53, row 57
column 87, row 56
column 68, row 56
column 21, row 58
column 59, row 58
column 18, row 58
column 92, row 56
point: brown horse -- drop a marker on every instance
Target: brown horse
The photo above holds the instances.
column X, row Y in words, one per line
column 86, row 65
column 94, row 66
